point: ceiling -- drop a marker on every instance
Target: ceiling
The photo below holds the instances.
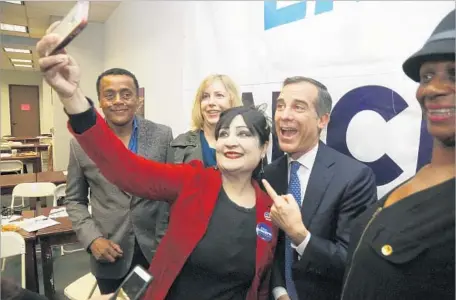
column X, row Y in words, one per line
column 38, row 15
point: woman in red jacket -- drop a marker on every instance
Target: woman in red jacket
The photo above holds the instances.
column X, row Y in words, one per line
column 220, row 240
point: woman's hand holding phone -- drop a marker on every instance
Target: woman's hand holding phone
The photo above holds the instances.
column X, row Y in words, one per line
column 61, row 72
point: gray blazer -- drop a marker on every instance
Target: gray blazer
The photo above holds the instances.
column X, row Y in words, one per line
column 117, row 215
column 185, row 148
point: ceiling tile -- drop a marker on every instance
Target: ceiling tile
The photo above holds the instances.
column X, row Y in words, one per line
column 37, row 15
column 18, row 55
column 42, row 22
column 12, row 10
column 14, row 20
column 37, row 32
column 6, row 32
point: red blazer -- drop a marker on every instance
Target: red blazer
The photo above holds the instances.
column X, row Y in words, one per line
column 192, row 191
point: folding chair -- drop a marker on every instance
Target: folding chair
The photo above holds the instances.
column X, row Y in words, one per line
column 33, row 190
column 11, row 166
column 83, row 288
column 12, row 244
column 58, row 193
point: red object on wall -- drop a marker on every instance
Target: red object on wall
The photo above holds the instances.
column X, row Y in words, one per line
column 140, row 111
column 25, row 106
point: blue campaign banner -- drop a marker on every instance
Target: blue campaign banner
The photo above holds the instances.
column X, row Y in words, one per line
column 274, row 16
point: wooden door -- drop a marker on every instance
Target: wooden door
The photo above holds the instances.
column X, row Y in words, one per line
column 24, row 110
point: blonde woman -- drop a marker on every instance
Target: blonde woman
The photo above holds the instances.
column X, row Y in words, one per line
column 215, row 94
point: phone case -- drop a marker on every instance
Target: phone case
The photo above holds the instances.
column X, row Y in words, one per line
column 120, row 294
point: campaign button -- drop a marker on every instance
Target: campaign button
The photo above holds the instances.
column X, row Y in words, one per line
column 264, row 231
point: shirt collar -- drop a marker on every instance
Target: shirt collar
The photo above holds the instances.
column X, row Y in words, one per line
column 135, row 123
column 307, row 159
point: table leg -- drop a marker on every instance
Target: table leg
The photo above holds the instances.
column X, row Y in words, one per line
column 31, row 272
column 37, row 165
column 33, row 203
column 38, row 206
column 48, row 268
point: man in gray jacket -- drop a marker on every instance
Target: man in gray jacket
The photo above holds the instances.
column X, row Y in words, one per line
column 122, row 230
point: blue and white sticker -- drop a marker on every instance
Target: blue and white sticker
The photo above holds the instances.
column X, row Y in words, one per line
column 267, row 216
column 264, row 231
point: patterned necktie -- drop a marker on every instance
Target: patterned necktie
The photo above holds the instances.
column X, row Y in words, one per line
column 294, row 188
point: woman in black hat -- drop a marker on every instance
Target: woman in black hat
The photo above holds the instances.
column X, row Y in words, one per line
column 404, row 247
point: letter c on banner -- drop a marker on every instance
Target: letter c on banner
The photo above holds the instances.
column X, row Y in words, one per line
column 372, row 97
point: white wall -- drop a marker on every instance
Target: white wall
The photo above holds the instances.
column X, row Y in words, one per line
column 88, row 51
column 146, row 38
column 347, row 48
column 8, row 77
column 172, row 45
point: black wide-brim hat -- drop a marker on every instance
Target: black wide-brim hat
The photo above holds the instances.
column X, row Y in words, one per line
column 439, row 46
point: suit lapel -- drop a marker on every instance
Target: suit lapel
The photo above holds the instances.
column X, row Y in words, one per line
column 142, row 150
column 319, row 180
column 188, row 147
column 196, row 152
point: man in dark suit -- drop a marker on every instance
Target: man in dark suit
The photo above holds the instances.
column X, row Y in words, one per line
column 330, row 189
column 122, row 230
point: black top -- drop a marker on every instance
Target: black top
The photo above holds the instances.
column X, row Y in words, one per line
column 404, row 251
column 83, row 121
column 222, row 265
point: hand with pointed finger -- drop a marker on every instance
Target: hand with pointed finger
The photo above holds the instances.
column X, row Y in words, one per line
column 60, row 71
column 286, row 214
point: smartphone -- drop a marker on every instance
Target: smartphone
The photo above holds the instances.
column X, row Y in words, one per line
column 134, row 285
column 73, row 23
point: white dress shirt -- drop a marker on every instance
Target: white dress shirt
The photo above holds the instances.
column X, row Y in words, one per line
column 306, row 162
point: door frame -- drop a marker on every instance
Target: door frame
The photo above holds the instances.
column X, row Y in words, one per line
column 11, row 107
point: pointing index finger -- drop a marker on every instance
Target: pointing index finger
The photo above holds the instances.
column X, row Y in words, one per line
column 271, row 192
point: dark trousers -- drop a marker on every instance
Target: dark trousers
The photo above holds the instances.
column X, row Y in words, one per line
column 108, row 286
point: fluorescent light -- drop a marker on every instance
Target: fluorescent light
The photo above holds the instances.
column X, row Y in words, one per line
column 17, row 50
column 21, row 60
column 25, row 66
column 15, row 2
column 11, row 27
